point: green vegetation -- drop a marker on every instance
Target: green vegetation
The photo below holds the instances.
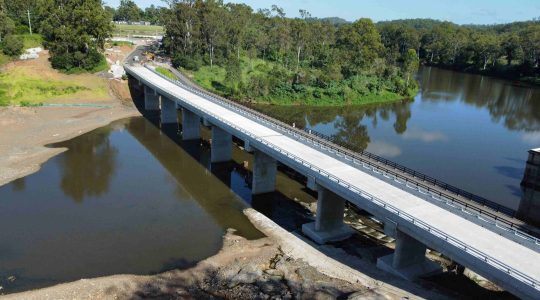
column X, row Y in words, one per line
column 129, row 11
column 100, row 66
column 12, row 45
column 124, row 30
column 27, row 90
column 268, row 58
column 31, row 40
column 166, row 72
column 505, row 50
column 74, row 44
column 357, row 90
column 3, row 59
column 122, row 43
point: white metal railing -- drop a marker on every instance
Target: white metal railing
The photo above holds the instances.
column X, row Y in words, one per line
column 392, row 209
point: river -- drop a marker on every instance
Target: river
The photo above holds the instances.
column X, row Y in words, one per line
column 470, row 131
column 131, row 198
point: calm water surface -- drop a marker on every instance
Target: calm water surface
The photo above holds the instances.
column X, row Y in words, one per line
column 468, row 130
column 123, row 199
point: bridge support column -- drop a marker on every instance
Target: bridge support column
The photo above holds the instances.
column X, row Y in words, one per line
column 168, row 111
column 221, row 147
column 409, row 259
column 328, row 226
column 191, row 125
column 264, row 173
column 247, row 146
column 151, row 99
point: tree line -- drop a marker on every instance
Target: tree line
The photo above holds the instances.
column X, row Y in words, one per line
column 305, row 57
column 129, row 11
column 508, row 50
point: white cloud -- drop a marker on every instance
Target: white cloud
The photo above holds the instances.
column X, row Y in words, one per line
column 383, row 149
column 424, row 135
column 531, row 138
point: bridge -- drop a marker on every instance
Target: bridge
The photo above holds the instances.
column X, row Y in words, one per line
column 417, row 216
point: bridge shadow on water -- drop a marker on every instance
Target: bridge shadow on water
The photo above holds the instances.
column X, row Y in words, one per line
column 288, row 207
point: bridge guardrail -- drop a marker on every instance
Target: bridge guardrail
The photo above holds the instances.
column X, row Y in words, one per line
column 534, row 283
column 322, row 141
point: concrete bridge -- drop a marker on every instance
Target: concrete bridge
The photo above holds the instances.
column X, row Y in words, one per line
column 416, row 217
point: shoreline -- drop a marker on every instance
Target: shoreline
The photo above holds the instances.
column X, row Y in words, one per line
column 23, row 144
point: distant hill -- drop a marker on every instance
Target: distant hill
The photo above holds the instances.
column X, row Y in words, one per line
column 331, row 20
column 417, row 24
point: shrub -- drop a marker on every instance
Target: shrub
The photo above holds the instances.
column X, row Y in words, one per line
column 186, row 62
column 12, row 45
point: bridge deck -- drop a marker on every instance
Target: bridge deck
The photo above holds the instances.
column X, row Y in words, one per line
column 510, row 253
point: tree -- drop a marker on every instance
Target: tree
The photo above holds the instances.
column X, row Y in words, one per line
column 12, row 45
column 25, row 12
column 511, row 47
column 530, row 42
column 486, row 48
column 410, row 65
column 360, row 44
column 6, row 24
column 128, row 11
column 75, row 32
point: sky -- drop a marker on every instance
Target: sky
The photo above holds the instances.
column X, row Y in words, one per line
column 457, row 11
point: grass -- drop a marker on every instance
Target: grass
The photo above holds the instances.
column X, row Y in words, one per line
column 213, row 79
column 27, row 91
column 123, row 29
column 31, row 41
column 166, row 72
column 4, row 58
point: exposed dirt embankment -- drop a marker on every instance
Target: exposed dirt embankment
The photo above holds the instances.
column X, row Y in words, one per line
column 24, row 132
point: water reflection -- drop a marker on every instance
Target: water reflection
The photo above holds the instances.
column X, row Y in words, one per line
column 518, row 108
column 88, row 165
column 142, row 205
column 344, row 124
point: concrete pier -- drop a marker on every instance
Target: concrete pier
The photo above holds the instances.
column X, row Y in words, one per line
column 409, row 258
column 191, row 125
column 168, row 111
column 328, row 226
column 151, row 99
column 221, row 147
column 264, row 173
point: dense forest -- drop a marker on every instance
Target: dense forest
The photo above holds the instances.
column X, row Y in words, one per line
column 507, row 50
column 265, row 56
